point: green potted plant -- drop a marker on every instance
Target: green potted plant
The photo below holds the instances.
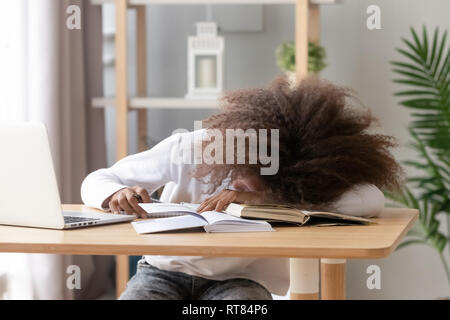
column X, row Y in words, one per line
column 285, row 58
column 425, row 73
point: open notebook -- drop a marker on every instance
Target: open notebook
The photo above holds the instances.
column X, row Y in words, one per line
column 184, row 216
column 164, row 210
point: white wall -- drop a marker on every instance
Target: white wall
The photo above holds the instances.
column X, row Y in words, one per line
column 357, row 57
column 360, row 59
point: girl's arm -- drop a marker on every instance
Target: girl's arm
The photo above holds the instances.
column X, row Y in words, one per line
column 221, row 200
column 362, row 200
column 149, row 170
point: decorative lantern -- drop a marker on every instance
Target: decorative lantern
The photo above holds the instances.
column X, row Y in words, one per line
column 205, row 62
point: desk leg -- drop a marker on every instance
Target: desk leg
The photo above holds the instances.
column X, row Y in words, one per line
column 122, row 273
column 304, row 275
column 332, row 279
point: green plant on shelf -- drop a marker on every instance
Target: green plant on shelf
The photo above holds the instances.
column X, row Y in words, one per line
column 285, row 57
column 425, row 72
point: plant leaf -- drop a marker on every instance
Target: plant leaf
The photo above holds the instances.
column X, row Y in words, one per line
column 439, row 55
column 410, row 242
column 413, row 83
column 425, row 43
column 433, row 50
column 411, row 56
column 408, row 66
column 411, row 75
column 416, row 39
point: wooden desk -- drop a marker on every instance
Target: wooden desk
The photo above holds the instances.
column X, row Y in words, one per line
column 343, row 242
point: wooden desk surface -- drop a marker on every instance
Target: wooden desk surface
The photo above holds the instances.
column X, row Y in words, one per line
column 365, row 242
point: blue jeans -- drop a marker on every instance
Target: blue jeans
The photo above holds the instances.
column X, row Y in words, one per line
column 151, row 283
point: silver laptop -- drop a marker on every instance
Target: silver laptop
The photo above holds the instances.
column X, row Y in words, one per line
column 28, row 189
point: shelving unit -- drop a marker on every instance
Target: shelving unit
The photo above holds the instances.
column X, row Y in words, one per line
column 155, row 103
column 307, row 28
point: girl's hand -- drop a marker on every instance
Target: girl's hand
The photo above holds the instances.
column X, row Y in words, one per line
column 219, row 201
column 127, row 200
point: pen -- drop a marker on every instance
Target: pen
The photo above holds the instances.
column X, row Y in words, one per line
column 139, row 199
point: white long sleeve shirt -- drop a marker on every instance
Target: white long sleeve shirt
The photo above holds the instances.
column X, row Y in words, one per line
column 159, row 165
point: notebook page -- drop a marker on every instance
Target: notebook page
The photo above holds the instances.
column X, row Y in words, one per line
column 191, row 206
column 214, row 217
column 157, row 210
column 167, row 224
column 221, row 222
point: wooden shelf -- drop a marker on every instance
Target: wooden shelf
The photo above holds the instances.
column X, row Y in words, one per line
column 231, row 2
column 158, row 103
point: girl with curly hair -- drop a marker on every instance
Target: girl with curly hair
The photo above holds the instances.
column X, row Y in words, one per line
column 327, row 159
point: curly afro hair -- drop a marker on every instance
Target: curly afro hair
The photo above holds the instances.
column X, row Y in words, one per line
column 325, row 146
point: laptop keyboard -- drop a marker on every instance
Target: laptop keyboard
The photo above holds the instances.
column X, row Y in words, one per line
column 71, row 219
